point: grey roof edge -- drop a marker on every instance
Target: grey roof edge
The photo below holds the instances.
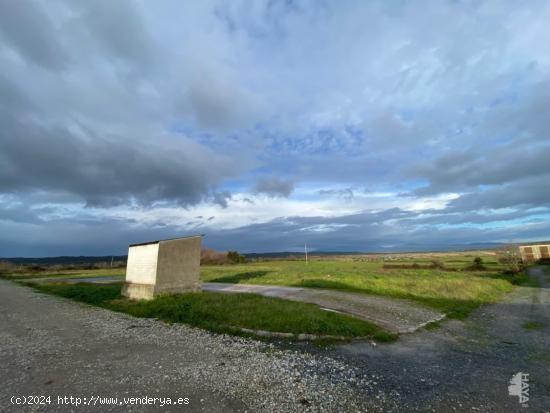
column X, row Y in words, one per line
column 167, row 239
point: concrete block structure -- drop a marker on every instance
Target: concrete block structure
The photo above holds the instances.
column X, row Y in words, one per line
column 169, row 266
column 535, row 251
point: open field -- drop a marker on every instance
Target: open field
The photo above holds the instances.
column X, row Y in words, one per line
column 443, row 281
column 225, row 313
column 60, row 273
column 454, row 292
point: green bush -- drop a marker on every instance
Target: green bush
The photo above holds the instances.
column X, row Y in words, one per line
column 235, row 257
column 477, row 265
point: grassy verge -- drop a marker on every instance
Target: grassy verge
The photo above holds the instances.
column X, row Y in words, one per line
column 453, row 290
column 224, row 313
column 79, row 273
column 456, row 293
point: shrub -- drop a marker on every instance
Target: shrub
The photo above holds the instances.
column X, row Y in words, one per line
column 476, row 265
column 510, row 258
column 235, row 257
column 210, row 256
column 7, row 267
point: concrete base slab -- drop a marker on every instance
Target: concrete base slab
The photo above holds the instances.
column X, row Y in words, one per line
column 148, row 292
column 138, row 291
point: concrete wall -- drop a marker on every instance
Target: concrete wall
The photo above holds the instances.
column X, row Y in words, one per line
column 142, row 264
column 534, row 252
column 163, row 267
column 178, row 266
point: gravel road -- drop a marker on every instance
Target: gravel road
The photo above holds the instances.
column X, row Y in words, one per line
column 466, row 366
column 51, row 346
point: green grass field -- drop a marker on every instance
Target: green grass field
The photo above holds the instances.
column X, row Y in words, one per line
column 456, row 293
column 455, row 289
column 224, row 313
column 55, row 273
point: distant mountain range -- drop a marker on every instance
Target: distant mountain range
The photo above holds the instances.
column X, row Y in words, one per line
column 66, row 260
column 409, row 250
column 282, row 254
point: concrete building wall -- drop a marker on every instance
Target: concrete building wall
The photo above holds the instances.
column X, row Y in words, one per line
column 142, row 264
column 163, row 267
column 534, row 252
column 178, row 267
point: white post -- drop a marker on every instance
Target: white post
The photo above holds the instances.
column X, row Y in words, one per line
column 305, row 248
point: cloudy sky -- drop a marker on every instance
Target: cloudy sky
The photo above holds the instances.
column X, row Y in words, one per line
column 349, row 125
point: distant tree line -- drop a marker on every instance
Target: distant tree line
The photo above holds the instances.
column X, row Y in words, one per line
column 9, row 267
column 210, row 256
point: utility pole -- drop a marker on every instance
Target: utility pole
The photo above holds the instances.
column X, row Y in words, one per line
column 305, row 249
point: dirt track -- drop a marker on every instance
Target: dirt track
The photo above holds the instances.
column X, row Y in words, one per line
column 396, row 316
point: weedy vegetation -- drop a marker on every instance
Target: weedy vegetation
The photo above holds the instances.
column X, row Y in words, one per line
column 222, row 313
column 456, row 287
column 454, row 283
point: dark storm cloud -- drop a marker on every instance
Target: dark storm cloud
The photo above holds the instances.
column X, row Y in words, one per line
column 358, row 219
column 531, row 192
column 29, row 31
column 363, row 231
column 221, row 198
column 274, row 187
column 443, row 217
column 105, row 170
column 86, row 132
column 511, row 145
column 389, row 230
column 20, row 213
column 117, row 27
column 373, row 234
column 12, row 99
column 216, row 102
column 26, row 237
column 465, row 170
